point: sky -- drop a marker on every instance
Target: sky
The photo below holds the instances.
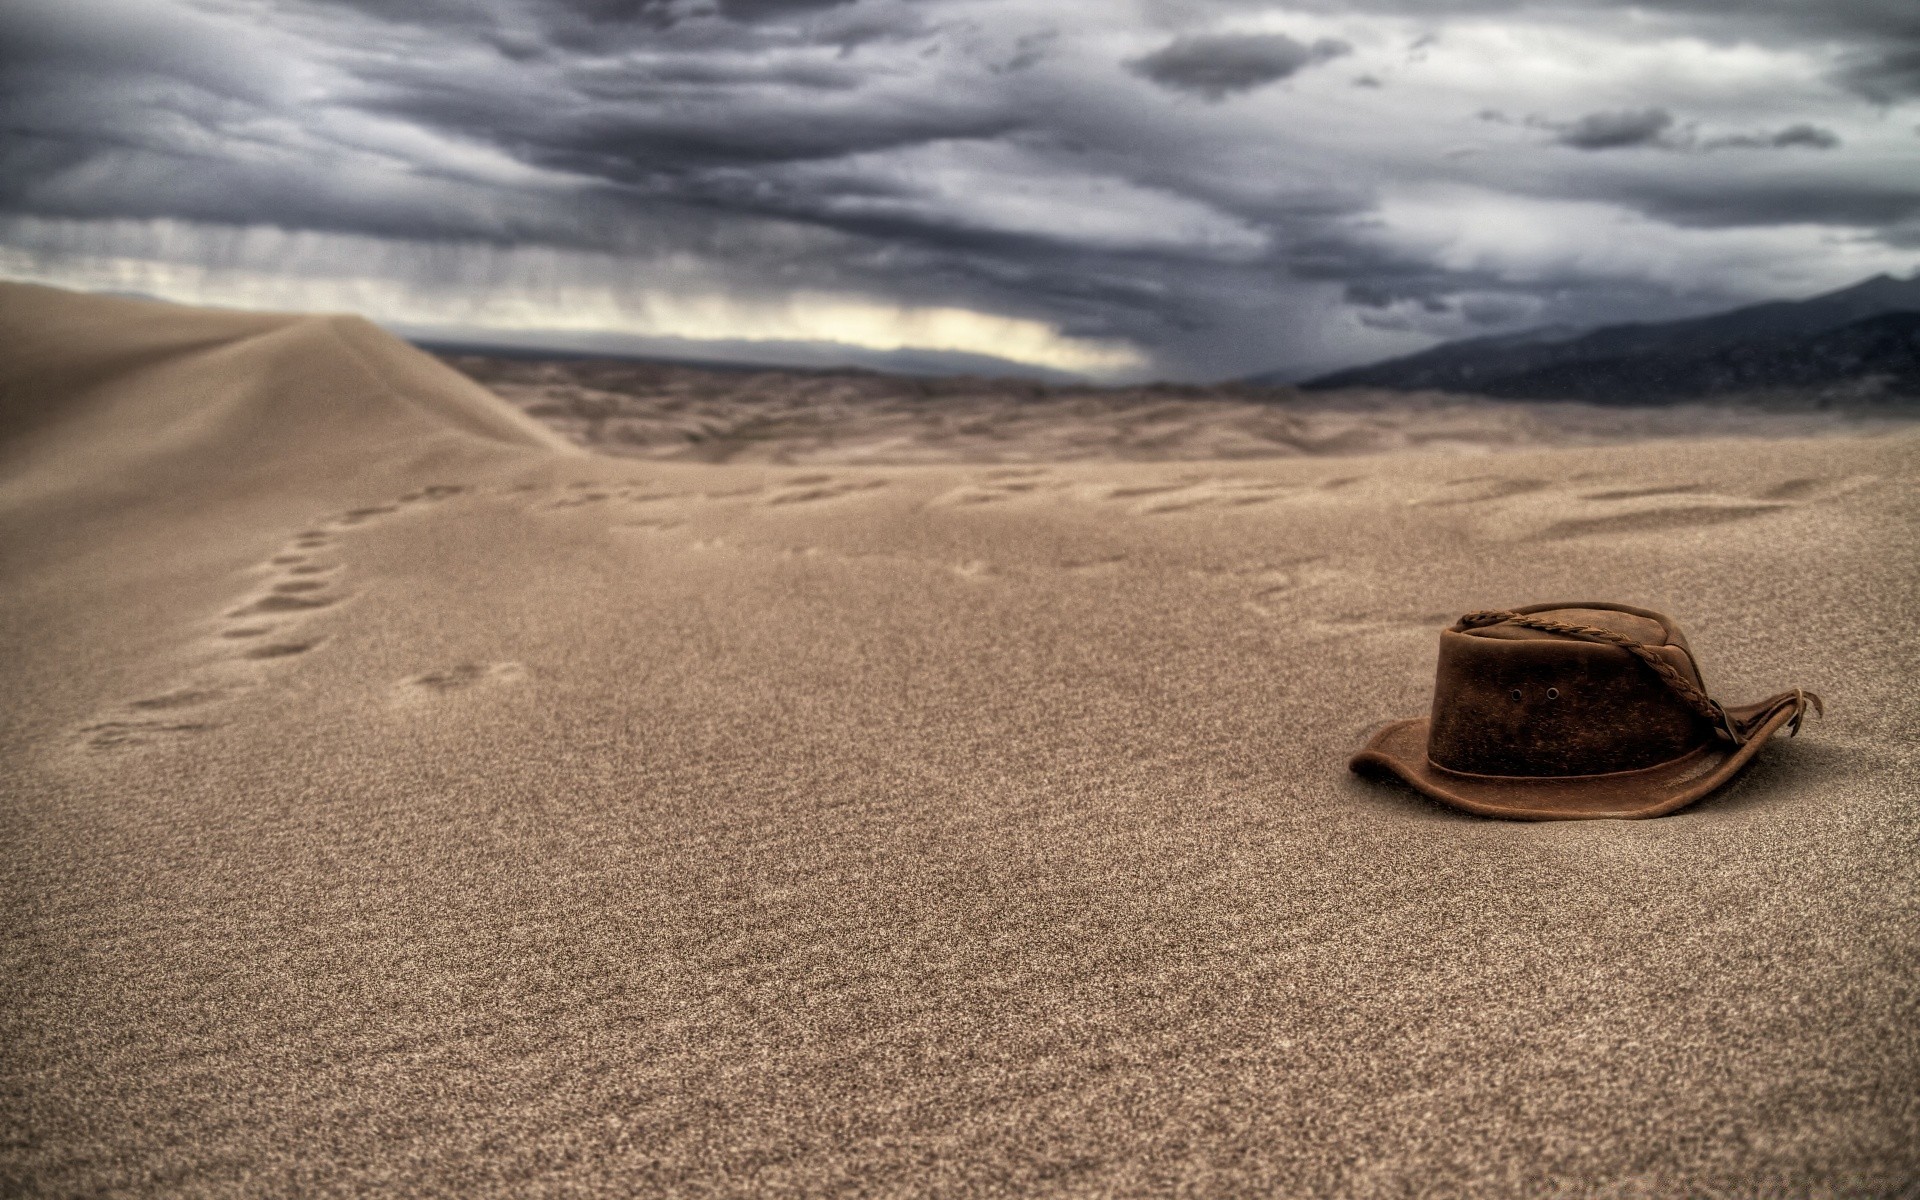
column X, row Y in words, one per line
column 1112, row 189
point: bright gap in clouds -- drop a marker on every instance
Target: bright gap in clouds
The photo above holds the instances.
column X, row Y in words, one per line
column 475, row 290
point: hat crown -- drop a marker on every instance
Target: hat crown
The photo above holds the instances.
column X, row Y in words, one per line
column 1514, row 701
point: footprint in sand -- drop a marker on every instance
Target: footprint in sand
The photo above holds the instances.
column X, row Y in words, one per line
column 433, row 492
column 1655, row 520
column 183, row 706
column 1531, row 510
column 1196, row 492
column 1677, row 489
column 1135, row 493
column 279, row 604
column 1263, row 588
column 461, row 677
column 964, row 497
column 809, row 489
column 297, row 587
column 183, row 698
column 1816, row 489
column 281, row 649
column 1480, row 489
column 1793, row 489
column 997, row 486
column 577, row 500
column 115, row 735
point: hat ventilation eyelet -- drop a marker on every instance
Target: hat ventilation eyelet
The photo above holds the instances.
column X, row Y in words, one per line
column 1553, row 693
column 1516, row 694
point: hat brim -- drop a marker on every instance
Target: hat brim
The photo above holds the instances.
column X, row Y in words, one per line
column 1401, row 750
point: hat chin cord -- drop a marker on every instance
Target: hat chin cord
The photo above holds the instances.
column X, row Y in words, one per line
column 1739, row 731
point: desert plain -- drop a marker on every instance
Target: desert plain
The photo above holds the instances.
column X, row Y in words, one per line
column 396, row 797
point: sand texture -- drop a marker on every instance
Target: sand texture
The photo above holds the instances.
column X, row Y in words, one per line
column 672, row 412
column 396, row 800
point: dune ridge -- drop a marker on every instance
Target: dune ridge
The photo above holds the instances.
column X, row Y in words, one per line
column 396, row 799
column 146, row 388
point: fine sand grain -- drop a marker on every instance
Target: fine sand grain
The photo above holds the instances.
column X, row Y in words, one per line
column 394, row 799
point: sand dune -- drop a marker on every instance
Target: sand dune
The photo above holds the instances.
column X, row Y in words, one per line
column 397, row 800
column 670, row 412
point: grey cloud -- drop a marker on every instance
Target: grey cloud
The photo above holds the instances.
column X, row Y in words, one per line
column 1879, row 19
column 1809, row 137
column 1655, row 127
column 1880, row 38
column 637, row 142
column 119, row 38
column 1497, row 309
column 1708, row 202
column 767, row 141
column 1884, row 75
column 768, row 10
column 1617, row 130
column 1367, row 295
column 1218, row 65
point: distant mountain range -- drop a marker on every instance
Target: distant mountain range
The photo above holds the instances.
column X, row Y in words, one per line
column 1861, row 343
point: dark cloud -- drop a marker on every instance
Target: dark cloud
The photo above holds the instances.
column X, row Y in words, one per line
column 1655, row 127
column 1880, row 39
column 1617, row 130
column 1705, row 202
column 1802, row 136
column 773, row 10
column 1885, row 75
column 1496, row 310
column 938, row 152
column 1219, row 65
column 60, row 43
column 1368, row 295
column 1811, row 136
column 639, row 144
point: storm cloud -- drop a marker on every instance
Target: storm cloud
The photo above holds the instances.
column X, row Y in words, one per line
column 1617, row 130
column 1079, row 185
column 1219, row 65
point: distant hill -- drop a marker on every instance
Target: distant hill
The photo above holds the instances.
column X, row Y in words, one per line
column 1859, row 343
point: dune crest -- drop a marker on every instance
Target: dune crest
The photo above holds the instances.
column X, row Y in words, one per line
column 130, row 395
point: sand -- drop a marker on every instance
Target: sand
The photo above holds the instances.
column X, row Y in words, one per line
column 677, row 412
column 395, row 799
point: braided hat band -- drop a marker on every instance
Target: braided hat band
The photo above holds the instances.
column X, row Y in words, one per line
column 1723, row 722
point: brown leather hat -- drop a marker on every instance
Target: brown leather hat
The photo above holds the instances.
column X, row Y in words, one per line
column 1563, row 711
